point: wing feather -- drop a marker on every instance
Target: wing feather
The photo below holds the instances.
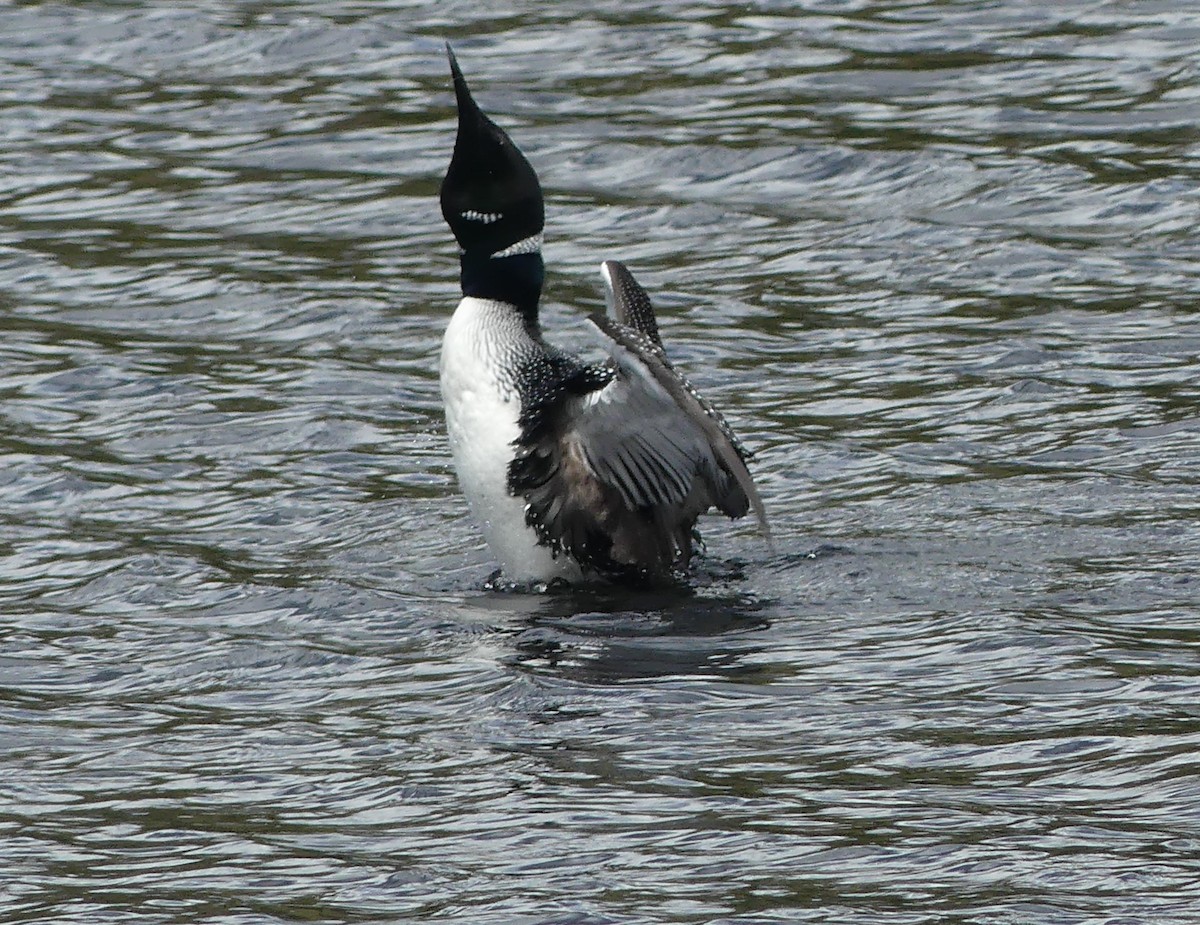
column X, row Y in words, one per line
column 616, row 474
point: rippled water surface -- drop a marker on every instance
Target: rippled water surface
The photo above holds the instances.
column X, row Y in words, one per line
column 939, row 263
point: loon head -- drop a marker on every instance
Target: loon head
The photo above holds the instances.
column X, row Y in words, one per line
column 491, row 198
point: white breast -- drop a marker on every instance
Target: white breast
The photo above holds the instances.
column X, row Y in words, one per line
column 483, row 341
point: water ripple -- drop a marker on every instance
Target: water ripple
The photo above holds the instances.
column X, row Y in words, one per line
column 938, row 263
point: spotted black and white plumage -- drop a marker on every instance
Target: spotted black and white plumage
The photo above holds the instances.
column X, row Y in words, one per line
column 571, row 468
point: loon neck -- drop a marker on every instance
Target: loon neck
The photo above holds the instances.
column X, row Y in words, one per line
column 516, row 279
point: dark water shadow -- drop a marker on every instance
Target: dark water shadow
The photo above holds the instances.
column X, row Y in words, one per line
column 608, row 634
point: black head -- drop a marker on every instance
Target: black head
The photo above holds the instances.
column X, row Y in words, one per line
column 491, row 198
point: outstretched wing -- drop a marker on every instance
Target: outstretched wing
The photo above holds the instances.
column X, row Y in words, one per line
column 617, row 476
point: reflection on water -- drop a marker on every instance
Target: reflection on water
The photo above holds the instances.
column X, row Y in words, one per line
column 598, row 637
column 937, row 262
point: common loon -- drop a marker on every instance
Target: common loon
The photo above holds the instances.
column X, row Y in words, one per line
column 571, row 468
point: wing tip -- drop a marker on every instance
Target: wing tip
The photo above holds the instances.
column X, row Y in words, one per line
column 627, row 301
column 608, row 274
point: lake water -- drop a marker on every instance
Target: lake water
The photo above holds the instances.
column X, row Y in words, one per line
column 939, row 264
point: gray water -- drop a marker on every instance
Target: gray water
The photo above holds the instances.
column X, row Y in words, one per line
column 938, row 262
